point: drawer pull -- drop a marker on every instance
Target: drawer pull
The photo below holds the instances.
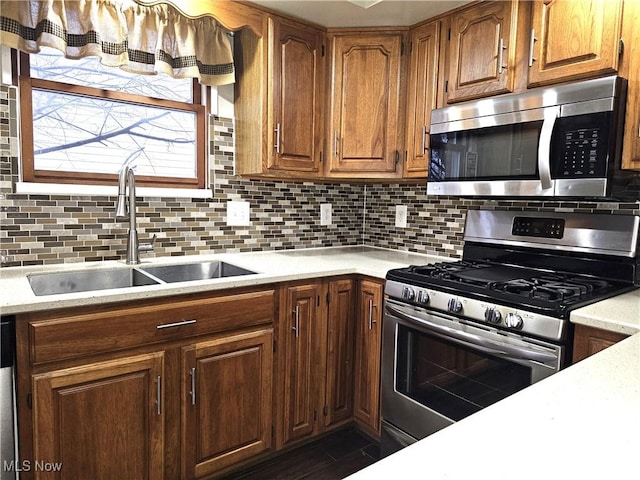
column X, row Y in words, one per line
column 175, row 324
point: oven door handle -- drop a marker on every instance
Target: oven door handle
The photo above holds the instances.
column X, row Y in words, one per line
column 488, row 346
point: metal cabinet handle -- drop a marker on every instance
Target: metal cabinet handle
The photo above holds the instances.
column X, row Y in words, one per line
column 159, row 394
column 371, row 307
column 336, row 139
column 425, row 132
column 296, row 316
column 531, row 44
column 501, row 49
column 193, row 385
column 175, row 324
column 277, row 131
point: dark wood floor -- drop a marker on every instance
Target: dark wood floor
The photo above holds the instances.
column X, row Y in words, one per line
column 330, row 458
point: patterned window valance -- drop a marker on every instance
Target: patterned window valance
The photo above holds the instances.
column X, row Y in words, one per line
column 137, row 38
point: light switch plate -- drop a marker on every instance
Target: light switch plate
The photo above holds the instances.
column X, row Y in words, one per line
column 238, row 214
column 401, row 216
column 325, row 214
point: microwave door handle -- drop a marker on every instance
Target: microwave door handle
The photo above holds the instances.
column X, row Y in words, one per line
column 484, row 344
column 544, row 146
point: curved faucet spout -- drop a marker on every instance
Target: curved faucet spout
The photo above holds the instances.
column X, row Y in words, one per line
column 128, row 212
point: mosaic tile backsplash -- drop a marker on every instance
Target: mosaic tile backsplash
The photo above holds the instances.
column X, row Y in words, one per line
column 44, row 229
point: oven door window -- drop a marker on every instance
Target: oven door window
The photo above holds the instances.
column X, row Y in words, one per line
column 451, row 379
column 504, row 152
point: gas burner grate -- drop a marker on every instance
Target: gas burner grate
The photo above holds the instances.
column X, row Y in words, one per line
column 452, row 271
column 554, row 288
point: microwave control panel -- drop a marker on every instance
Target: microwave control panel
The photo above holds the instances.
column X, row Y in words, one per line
column 581, row 145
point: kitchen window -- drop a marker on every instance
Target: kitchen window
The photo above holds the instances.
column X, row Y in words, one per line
column 81, row 121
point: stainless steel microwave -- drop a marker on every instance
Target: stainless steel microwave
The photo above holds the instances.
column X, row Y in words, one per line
column 559, row 141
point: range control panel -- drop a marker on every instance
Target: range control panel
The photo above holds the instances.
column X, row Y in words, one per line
column 538, row 227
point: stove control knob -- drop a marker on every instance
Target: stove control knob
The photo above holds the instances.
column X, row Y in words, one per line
column 423, row 297
column 454, row 306
column 408, row 293
column 513, row 320
column 492, row 315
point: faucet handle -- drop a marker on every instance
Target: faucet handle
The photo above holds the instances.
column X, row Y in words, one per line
column 147, row 247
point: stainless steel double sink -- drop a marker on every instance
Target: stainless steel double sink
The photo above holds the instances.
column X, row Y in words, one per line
column 85, row 280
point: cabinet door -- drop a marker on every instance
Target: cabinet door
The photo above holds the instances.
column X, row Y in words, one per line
column 227, row 398
column 299, row 362
column 340, row 345
column 574, row 39
column 101, row 421
column 421, row 96
column 482, row 51
column 297, row 67
column 588, row 341
column 367, row 362
column 631, row 71
column 365, row 104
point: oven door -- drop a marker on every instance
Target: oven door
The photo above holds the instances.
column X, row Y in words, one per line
column 438, row 369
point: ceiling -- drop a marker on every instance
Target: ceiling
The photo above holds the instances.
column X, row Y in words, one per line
column 361, row 13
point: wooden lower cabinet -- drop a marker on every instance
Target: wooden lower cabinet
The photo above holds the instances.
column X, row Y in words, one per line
column 367, row 359
column 100, row 421
column 315, row 359
column 196, row 386
column 184, row 391
column 299, row 328
column 588, row 341
column 340, row 350
column 226, row 401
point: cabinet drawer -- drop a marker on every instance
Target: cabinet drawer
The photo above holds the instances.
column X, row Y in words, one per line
column 81, row 332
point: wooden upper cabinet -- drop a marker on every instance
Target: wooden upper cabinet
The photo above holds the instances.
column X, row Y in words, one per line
column 423, row 95
column 363, row 133
column 630, row 69
column 573, row 39
column 279, row 99
column 482, row 50
column 297, row 79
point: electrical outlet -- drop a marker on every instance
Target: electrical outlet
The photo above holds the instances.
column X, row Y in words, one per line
column 325, row 214
column 401, row 216
column 238, row 214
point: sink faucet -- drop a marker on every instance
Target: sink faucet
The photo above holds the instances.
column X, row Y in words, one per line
column 128, row 212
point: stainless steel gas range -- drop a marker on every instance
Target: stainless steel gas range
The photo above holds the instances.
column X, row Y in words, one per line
column 460, row 336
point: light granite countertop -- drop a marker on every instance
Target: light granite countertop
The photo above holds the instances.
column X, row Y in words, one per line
column 276, row 266
column 618, row 314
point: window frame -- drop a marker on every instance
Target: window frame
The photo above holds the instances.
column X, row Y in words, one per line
column 26, row 85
